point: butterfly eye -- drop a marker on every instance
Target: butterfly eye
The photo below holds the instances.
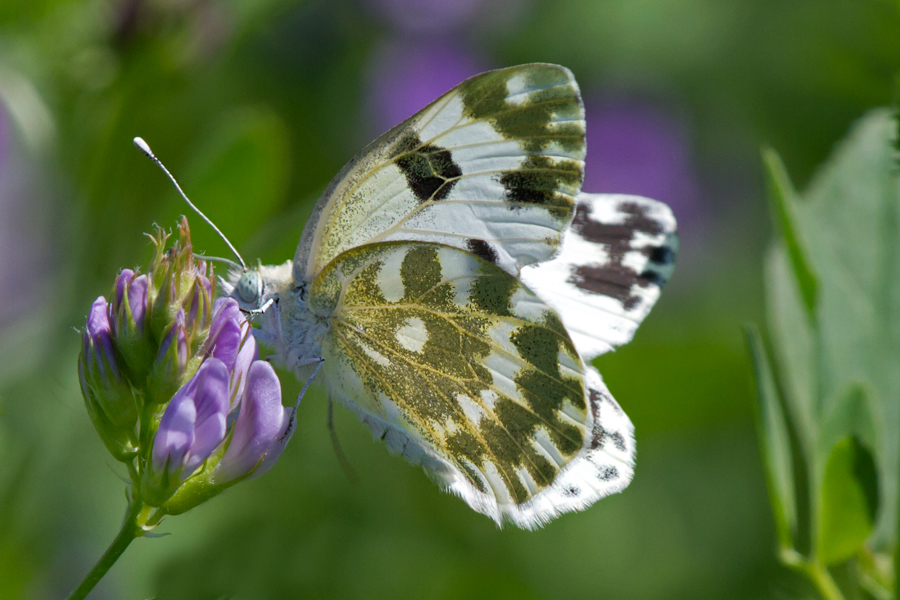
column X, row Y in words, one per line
column 248, row 287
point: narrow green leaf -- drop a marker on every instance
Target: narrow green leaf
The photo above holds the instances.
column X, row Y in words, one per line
column 794, row 339
column 774, row 441
column 781, row 200
column 848, row 501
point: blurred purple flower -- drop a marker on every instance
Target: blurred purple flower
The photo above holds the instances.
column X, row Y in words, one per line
column 27, row 242
column 408, row 74
column 427, row 16
column 193, row 423
column 637, row 148
column 4, row 144
column 260, row 429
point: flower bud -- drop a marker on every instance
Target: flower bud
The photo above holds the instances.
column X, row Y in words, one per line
column 168, row 371
column 107, row 394
column 127, row 313
column 196, row 306
column 192, row 426
column 179, row 283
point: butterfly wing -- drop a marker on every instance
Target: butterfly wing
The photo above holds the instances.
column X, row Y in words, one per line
column 462, row 369
column 492, row 166
column 611, row 267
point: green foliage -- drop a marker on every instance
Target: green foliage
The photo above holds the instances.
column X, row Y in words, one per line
column 848, row 503
column 273, row 97
column 833, row 303
column 775, row 442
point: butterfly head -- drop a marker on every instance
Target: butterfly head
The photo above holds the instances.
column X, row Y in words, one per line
column 254, row 287
column 248, row 289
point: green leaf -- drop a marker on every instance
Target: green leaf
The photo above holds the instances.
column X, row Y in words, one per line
column 774, row 441
column 849, row 220
column 848, row 502
column 850, row 414
column 782, row 198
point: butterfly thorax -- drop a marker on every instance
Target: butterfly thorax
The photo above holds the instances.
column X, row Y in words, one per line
column 286, row 323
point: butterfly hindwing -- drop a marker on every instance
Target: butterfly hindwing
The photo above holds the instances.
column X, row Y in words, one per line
column 492, row 167
column 461, row 368
column 612, row 264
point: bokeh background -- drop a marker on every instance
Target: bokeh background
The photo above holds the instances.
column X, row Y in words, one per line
column 255, row 105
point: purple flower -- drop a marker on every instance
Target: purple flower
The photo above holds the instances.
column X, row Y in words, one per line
column 193, row 423
column 637, row 148
column 195, row 429
column 260, row 431
column 231, row 342
column 174, row 385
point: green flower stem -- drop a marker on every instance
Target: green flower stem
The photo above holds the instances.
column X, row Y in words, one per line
column 824, row 582
column 132, row 528
column 815, row 571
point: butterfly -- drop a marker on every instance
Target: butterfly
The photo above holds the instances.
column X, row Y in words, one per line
column 454, row 283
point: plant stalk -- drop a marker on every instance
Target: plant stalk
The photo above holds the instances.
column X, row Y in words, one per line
column 131, row 529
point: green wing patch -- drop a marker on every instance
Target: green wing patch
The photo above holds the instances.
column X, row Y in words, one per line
column 455, row 363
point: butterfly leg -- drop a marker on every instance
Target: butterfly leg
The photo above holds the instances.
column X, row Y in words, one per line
column 319, row 361
column 336, row 444
column 268, row 338
column 262, row 309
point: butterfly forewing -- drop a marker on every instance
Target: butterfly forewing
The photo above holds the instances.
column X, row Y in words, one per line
column 461, row 368
column 491, row 167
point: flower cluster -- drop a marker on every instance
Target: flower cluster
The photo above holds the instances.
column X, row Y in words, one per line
column 174, row 386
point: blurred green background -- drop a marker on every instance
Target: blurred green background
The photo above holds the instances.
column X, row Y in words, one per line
column 255, row 105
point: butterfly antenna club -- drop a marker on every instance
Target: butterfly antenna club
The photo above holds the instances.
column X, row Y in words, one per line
column 141, row 145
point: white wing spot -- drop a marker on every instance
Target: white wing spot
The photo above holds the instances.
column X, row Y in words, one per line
column 376, row 356
column 544, row 445
column 388, row 279
column 489, row 397
column 516, row 88
column 471, row 409
column 413, row 335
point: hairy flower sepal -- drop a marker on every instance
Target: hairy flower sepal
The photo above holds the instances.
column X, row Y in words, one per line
column 107, row 394
column 254, row 443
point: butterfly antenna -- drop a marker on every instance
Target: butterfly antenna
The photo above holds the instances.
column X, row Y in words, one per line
column 227, row 261
column 141, row 145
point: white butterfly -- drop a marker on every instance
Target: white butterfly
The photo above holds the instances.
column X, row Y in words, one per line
column 454, row 283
